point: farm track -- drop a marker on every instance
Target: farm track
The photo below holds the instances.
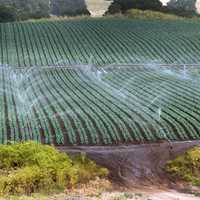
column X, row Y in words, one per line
column 42, row 99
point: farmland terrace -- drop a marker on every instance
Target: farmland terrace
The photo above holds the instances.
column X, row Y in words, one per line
column 77, row 82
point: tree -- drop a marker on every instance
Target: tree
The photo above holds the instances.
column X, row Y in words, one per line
column 7, row 13
column 69, row 7
column 182, row 5
column 124, row 5
column 26, row 9
column 33, row 8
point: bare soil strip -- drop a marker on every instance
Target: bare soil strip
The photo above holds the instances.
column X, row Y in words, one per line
column 133, row 164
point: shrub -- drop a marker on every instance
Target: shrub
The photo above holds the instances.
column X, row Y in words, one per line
column 186, row 166
column 30, row 167
column 124, row 5
column 87, row 168
column 149, row 14
column 7, row 13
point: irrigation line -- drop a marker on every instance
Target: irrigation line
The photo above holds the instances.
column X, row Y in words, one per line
column 95, row 67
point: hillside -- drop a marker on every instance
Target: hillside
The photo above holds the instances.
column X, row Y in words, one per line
column 102, row 42
column 44, row 99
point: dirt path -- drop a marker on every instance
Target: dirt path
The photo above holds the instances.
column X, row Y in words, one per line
column 172, row 195
column 167, row 194
column 136, row 195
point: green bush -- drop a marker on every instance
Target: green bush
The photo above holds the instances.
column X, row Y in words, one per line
column 7, row 13
column 186, row 166
column 30, row 167
column 124, row 5
column 149, row 14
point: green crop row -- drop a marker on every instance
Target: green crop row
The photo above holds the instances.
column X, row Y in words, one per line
column 87, row 106
column 77, row 107
column 99, row 41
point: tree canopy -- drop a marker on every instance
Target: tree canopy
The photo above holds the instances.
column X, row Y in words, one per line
column 7, row 13
column 124, row 5
column 69, row 7
column 25, row 9
column 188, row 5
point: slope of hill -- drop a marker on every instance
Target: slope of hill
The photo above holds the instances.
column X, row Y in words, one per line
column 85, row 105
column 105, row 41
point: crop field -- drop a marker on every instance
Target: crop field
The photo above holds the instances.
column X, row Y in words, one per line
column 77, row 82
column 86, row 105
column 102, row 42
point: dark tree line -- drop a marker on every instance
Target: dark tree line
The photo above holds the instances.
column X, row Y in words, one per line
column 7, row 13
column 180, row 7
column 24, row 9
column 69, row 7
column 11, row 10
column 124, row 5
column 183, row 7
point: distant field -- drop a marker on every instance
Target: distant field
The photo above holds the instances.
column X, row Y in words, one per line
column 103, row 41
column 41, row 99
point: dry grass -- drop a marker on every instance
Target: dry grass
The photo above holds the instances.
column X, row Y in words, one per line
column 57, row 18
column 152, row 15
column 92, row 189
column 156, row 15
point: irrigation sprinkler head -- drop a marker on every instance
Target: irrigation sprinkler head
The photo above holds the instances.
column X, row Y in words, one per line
column 159, row 113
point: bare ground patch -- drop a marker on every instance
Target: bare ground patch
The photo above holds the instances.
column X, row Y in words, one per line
column 135, row 164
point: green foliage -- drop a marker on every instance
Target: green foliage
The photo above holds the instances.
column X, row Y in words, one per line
column 186, row 166
column 25, row 9
column 187, row 5
column 149, row 14
column 87, row 168
column 33, row 9
column 185, row 8
column 69, row 8
column 7, row 13
column 30, row 167
column 124, row 5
